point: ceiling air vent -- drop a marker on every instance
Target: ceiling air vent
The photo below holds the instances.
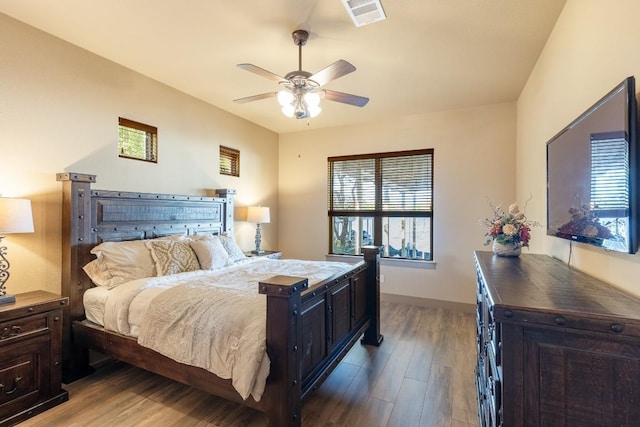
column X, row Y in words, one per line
column 364, row 12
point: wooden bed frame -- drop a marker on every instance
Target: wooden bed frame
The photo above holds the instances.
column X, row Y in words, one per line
column 309, row 329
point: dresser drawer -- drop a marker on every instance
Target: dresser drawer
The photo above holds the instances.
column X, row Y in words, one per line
column 570, row 321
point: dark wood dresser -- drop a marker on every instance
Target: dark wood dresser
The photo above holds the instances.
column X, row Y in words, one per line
column 30, row 356
column 556, row 347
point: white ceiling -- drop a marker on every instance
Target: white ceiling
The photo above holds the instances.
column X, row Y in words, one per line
column 428, row 55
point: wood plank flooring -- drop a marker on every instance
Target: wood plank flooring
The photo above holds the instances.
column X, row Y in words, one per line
column 421, row 375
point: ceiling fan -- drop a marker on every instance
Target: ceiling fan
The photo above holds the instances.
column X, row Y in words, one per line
column 301, row 91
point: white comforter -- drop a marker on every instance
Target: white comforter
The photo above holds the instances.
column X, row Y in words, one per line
column 211, row 319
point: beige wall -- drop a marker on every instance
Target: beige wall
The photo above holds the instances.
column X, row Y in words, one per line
column 593, row 47
column 474, row 158
column 59, row 109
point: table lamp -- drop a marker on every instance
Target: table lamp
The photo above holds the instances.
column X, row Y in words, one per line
column 15, row 217
column 259, row 215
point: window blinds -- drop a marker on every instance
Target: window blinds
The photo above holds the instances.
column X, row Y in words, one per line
column 229, row 161
column 387, row 183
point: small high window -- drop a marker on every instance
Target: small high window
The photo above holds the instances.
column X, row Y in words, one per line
column 137, row 141
column 229, row 161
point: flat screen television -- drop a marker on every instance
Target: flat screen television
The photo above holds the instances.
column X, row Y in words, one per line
column 592, row 174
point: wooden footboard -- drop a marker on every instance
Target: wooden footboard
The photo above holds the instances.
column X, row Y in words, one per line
column 309, row 329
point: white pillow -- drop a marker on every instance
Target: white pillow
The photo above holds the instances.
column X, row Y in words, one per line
column 232, row 248
column 210, row 252
column 120, row 262
column 172, row 256
column 98, row 276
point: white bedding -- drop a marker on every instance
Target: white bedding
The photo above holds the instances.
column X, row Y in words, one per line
column 169, row 313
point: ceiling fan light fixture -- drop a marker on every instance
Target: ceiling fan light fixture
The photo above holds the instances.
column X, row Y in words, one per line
column 285, row 97
column 312, row 99
column 313, row 110
column 288, row 110
column 301, row 91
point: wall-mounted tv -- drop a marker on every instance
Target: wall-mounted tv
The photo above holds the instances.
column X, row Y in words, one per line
column 592, row 175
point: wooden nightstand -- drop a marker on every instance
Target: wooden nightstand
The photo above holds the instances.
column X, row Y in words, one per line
column 267, row 254
column 30, row 356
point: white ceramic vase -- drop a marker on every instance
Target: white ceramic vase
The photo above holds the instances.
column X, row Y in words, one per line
column 507, row 249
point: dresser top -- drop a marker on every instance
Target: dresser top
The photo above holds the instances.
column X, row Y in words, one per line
column 542, row 283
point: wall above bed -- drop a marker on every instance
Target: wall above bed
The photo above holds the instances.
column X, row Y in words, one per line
column 60, row 108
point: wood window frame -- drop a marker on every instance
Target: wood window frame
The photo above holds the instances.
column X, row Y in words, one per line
column 378, row 212
column 151, row 145
column 229, row 161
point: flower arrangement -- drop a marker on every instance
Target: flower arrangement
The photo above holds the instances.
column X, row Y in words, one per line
column 510, row 227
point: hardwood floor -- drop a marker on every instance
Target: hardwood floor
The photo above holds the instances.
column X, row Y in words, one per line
column 421, row 375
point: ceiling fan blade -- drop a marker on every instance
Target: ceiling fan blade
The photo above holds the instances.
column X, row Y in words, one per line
column 255, row 97
column 334, row 71
column 346, row 98
column 262, row 72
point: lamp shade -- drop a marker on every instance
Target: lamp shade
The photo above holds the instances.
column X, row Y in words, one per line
column 15, row 216
column 258, row 214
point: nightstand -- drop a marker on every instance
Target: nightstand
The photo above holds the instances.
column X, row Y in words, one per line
column 267, row 254
column 30, row 356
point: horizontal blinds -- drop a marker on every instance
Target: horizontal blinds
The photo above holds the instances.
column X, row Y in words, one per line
column 137, row 140
column 352, row 185
column 407, row 183
column 386, row 183
column 609, row 173
column 229, row 161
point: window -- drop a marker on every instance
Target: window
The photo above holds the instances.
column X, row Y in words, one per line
column 382, row 199
column 137, row 141
column 229, row 161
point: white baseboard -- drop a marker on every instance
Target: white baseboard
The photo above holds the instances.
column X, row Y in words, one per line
column 428, row 302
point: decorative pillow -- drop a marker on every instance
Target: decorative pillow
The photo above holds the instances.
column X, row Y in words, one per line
column 172, row 256
column 98, row 276
column 120, row 262
column 210, row 252
column 232, row 248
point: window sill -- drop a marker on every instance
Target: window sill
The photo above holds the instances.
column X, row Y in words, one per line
column 396, row 262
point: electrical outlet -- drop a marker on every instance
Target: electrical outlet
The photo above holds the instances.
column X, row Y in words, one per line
column 382, row 278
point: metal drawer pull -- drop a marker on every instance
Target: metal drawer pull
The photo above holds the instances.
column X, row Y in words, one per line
column 560, row 321
column 16, row 380
column 8, row 333
column 617, row 328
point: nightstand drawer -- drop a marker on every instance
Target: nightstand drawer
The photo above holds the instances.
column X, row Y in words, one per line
column 22, row 380
column 23, row 326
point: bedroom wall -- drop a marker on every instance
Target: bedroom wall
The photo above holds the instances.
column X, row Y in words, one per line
column 474, row 158
column 592, row 48
column 59, row 109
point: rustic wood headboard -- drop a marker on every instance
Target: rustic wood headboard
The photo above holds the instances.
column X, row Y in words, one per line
column 90, row 217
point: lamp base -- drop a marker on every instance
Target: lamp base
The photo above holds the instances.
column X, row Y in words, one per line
column 7, row 299
column 258, row 252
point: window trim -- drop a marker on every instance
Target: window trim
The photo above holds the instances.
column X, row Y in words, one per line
column 234, row 158
column 149, row 152
column 386, row 261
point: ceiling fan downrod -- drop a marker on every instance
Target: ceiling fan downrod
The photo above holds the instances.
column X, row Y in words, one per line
column 300, row 38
